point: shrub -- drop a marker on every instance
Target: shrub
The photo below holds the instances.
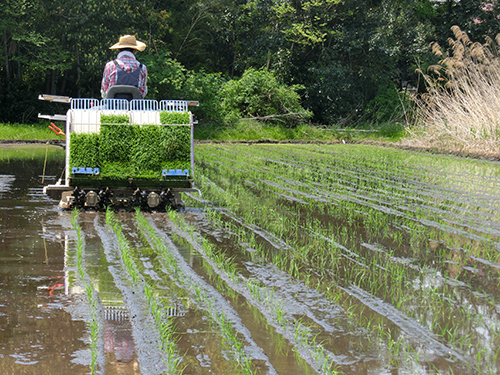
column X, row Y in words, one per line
column 388, row 105
column 168, row 79
column 166, row 76
column 204, row 87
column 259, row 95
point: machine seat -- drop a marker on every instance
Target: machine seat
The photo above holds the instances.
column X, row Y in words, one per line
column 123, row 92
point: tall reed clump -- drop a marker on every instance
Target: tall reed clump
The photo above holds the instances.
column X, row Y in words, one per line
column 461, row 111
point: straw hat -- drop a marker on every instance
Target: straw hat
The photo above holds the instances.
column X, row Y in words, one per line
column 129, row 41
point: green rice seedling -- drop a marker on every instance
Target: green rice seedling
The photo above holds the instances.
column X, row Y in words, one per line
column 84, row 150
column 175, row 118
column 95, row 326
column 115, row 119
column 365, row 203
column 264, row 296
column 122, row 150
column 228, row 332
column 165, row 325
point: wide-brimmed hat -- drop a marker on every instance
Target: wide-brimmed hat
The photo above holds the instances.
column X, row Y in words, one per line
column 129, row 41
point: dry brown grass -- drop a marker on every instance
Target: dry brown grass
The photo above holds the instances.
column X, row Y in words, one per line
column 461, row 111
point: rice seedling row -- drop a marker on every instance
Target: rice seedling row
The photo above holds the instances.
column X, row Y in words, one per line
column 370, row 222
column 426, row 255
column 154, row 353
column 360, row 177
column 262, row 297
column 410, row 223
column 95, row 307
column 163, row 321
column 233, row 332
column 382, row 311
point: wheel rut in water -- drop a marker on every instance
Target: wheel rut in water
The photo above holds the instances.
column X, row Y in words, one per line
column 144, row 333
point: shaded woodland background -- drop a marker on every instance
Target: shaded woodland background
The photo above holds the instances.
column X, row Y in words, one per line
column 345, row 61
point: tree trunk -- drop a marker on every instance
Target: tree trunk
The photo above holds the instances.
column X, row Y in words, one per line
column 53, row 83
column 7, row 71
column 78, row 70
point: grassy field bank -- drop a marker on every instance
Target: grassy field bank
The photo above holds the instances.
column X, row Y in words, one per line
column 23, row 132
column 244, row 130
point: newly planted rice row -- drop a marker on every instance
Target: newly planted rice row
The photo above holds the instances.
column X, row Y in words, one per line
column 200, row 294
column 324, row 259
column 264, row 299
column 163, row 321
column 92, row 298
column 381, row 250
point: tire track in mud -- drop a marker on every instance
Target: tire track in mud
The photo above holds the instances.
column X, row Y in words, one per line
column 401, row 211
column 409, row 326
column 413, row 329
column 382, row 208
column 146, row 337
column 301, row 303
column 192, row 282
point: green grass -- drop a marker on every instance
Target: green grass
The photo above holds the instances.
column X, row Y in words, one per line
column 251, row 130
column 39, row 132
column 244, row 130
column 30, row 152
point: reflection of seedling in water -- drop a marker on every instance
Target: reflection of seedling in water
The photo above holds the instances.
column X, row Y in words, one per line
column 363, row 203
column 162, row 320
column 227, row 330
column 95, row 326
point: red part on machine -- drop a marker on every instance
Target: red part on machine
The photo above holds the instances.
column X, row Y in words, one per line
column 55, row 129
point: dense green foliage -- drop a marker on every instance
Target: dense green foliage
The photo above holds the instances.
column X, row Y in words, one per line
column 341, row 52
column 115, row 119
column 259, row 94
column 122, row 151
column 175, row 118
column 84, row 150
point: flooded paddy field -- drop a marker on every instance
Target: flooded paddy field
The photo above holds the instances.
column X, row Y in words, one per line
column 296, row 259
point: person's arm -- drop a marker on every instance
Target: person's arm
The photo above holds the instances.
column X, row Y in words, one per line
column 107, row 77
column 143, row 84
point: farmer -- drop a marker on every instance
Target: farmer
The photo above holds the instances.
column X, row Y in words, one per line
column 126, row 69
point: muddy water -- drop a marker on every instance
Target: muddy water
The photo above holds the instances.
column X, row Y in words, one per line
column 44, row 310
column 40, row 330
